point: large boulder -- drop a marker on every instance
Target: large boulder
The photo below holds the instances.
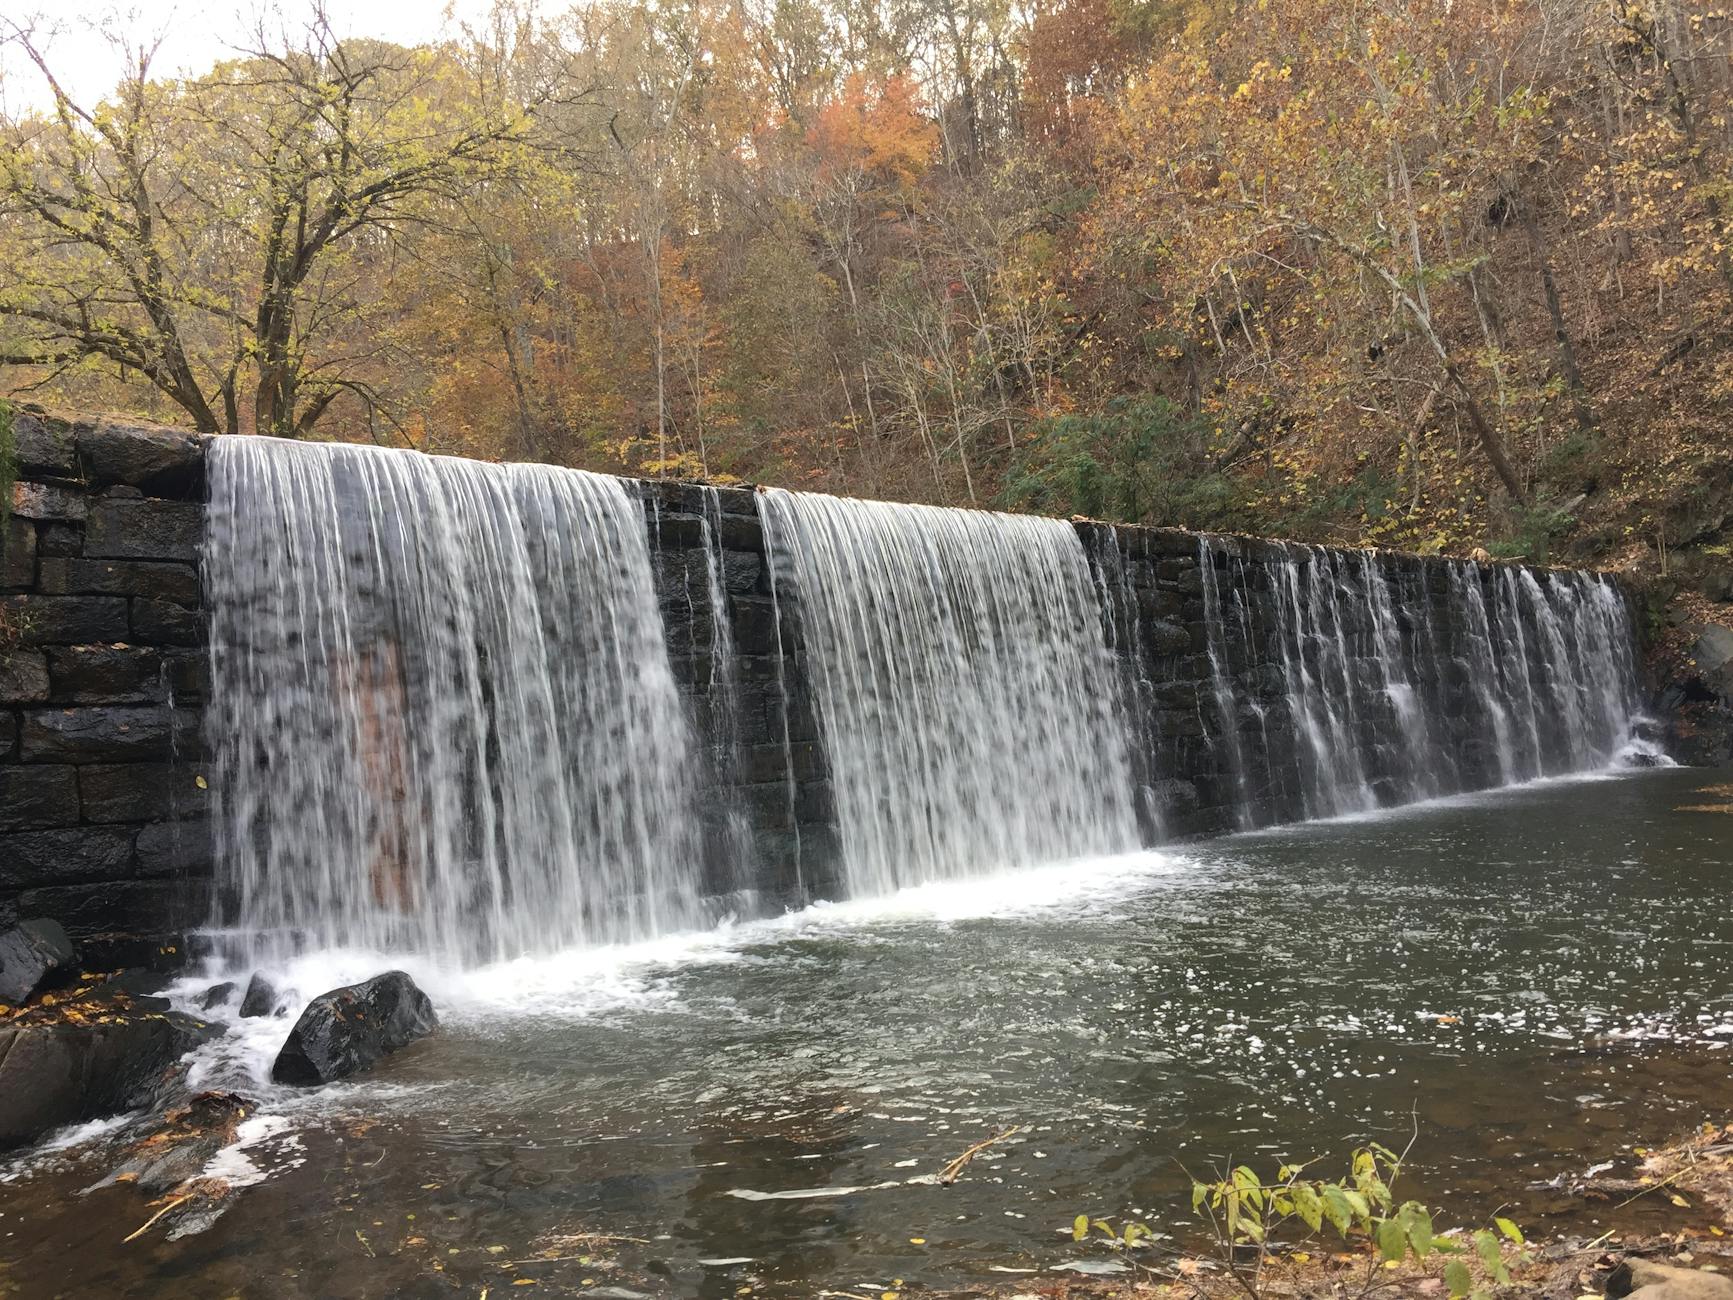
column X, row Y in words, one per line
column 30, row 952
column 351, row 1029
column 62, row 1071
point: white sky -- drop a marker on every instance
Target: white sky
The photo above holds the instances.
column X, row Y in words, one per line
column 194, row 34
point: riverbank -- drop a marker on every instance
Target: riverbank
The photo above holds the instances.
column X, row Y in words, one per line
column 1674, row 1204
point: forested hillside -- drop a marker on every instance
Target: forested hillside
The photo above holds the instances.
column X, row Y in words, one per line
column 1421, row 273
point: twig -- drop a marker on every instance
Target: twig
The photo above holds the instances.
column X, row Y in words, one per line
column 950, row 1172
column 145, row 1226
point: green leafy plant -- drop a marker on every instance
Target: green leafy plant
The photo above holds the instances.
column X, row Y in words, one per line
column 1248, row 1215
column 1250, row 1218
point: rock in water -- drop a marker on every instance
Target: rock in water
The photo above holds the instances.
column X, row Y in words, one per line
column 62, row 1072
column 216, row 994
column 260, row 998
column 350, row 1029
column 29, row 952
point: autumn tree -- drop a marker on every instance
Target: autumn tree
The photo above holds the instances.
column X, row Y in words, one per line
column 217, row 236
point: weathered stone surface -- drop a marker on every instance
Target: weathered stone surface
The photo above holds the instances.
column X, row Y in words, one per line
column 23, row 677
column 741, row 570
column 144, row 530
column 57, row 1074
column 47, row 503
column 60, row 540
column 43, row 446
column 138, row 792
column 30, row 952
column 162, row 462
column 105, row 674
column 17, row 555
column 65, row 856
column 179, row 847
column 155, row 579
column 67, row 620
column 160, row 622
column 120, row 733
column 135, row 907
column 261, row 997
column 217, row 994
column 352, row 1029
column 1164, row 638
column 37, row 795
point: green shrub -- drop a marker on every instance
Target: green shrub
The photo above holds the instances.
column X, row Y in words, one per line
column 1138, row 460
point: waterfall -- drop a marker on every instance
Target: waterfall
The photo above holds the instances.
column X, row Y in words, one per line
column 443, row 717
column 1394, row 687
column 969, row 708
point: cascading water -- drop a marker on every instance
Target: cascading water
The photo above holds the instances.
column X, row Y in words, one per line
column 970, row 710
column 1381, row 685
column 443, row 717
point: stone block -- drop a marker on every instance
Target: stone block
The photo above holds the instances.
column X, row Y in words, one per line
column 18, row 555
column 189, row 675
column 174, row 848
column 48, row 503
column 1161, row 638
column 767, row 807
column 67, row 620
column 175, row 583
column 43, row 446
column 33, row 796
column 138, row 792
column 741, row 571
column 672, row 532
column 68, row 856
column 23, row 677
column 132, row 906
column 144, row 530
column 106, row 674
column 161, row 622
column 60, row 539
column 119, row 733
column 162, row 462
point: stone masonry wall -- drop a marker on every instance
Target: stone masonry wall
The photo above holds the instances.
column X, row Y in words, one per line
column 103, row 671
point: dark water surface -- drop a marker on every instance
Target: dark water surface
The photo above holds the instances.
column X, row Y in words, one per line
column 1533, row 980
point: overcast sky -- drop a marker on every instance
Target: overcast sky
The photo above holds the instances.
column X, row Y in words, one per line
column 194, row 33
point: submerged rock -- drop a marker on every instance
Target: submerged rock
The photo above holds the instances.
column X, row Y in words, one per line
column 351, row 1029
column 30, row 952
column 260, row 998
column 85, row 1064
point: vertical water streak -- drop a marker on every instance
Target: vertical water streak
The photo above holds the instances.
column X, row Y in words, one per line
column 968, row 705
column 1222, row 679
column 443, row 717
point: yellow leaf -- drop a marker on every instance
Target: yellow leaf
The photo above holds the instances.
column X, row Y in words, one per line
column 1678, row 1200
column 917, row 1241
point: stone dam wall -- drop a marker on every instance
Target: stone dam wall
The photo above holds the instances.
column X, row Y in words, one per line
column 103, row 680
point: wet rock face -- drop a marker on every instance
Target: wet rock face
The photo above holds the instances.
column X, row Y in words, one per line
column 260, row 999
column 59, row 1072
column 30, row 952
column 352, row 1029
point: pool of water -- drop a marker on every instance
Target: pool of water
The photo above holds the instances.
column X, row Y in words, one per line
column 1526, row 982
